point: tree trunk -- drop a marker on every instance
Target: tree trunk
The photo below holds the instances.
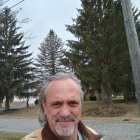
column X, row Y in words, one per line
column 7, row 103
column 109, row 102
column 138, row 107
column 99, row 95
column 134, row 96
column 106, row 96
column 103, row 94
column 27, row 102
column 125, row 96
column 1, row 101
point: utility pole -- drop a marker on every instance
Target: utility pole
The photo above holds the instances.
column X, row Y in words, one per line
column 133, row 44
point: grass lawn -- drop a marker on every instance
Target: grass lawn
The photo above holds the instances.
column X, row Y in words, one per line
column 97, row 109
column 11, row 135
column 121, row 110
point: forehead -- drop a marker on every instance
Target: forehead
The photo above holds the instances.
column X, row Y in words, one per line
column 63, row 86
column 63, row 82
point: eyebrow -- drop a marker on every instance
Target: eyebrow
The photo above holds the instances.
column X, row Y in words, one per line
column 61, row 102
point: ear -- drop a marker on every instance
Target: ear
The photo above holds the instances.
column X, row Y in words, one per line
column 44, row 106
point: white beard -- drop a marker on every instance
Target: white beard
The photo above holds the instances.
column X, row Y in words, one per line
column 65, row 132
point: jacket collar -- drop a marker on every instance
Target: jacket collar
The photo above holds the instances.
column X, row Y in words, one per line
column 47, row 133
column 87, row 134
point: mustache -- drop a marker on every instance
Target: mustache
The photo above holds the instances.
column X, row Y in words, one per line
column 68, row 118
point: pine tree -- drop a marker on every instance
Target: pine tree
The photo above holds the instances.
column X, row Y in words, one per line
column 100, row 56
column 92, row 30
column 16, row 71
column 49, row 58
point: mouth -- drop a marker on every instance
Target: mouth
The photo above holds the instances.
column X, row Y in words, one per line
column 65, row 123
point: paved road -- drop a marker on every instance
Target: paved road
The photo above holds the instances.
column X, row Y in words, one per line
column 112, row 130
column 18, row 125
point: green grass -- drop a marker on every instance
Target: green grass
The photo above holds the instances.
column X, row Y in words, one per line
column 8, row 111
column 89, row 104
column 11, row 135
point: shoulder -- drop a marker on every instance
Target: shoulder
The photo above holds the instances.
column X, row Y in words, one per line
column 93, row 131
column 35, row 135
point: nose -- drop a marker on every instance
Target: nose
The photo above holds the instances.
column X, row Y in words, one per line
column 65, row 111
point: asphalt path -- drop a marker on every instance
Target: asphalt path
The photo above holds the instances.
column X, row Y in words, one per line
column 112, row 130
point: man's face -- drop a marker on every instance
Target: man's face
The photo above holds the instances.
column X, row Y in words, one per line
column 63, row 107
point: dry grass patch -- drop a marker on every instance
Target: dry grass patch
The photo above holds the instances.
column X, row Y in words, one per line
column 11, row 135
column 121, row 110
column 31, row 112
column 97, row 109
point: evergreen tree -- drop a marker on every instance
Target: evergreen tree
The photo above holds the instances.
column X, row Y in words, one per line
column 16, row 71
column 49, row 58
column 100, row 56
column 91, row 28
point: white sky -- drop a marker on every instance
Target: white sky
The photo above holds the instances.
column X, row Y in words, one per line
column 46, row 15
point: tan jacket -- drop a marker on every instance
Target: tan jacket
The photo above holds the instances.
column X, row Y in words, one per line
column 37, row 135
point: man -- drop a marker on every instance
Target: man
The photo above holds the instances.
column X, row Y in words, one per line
column 60, row 111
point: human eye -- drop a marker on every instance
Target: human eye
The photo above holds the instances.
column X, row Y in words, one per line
column 73, row 103
column 56, row 104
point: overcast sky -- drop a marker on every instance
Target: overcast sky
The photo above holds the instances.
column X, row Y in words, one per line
column 45, row 15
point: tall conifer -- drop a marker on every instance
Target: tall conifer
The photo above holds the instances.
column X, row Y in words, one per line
column 16, row 72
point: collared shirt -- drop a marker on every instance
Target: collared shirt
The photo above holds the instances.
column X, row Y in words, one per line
column 80, row 137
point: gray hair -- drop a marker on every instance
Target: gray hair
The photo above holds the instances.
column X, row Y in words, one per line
column 42, row 95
